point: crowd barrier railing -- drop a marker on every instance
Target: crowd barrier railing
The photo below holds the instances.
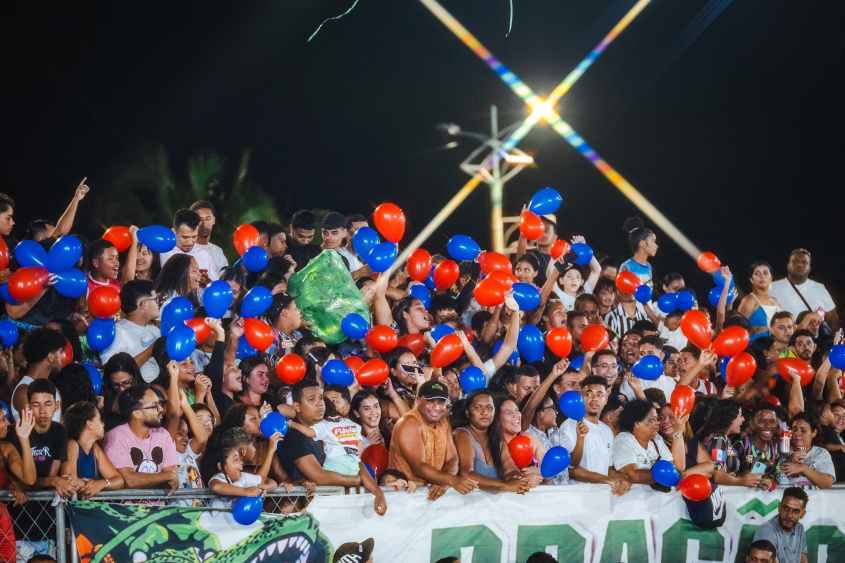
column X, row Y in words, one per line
column 278, row 502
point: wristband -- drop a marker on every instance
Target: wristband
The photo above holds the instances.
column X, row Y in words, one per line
column 108, row 483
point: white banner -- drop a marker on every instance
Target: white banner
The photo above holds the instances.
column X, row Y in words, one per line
column 577, row 523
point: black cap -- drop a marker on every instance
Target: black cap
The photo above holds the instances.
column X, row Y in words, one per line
column 433, row 390
column 334, row 220
column 354, row 552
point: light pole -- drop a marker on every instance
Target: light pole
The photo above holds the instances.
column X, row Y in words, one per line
column 503, row 169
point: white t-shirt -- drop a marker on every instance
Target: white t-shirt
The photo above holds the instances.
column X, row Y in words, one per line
column 203, row 257
column 664, row 383
column 818, row 459
column 246, row 481
column 354, row 262
column 216, row 254
column 134, row 339
column 814, row 292
column 626, row 450
column 598, row 445
column 339, row 438
column 674, row 338
column 567, row 300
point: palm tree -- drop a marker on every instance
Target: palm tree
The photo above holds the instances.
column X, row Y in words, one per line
column 144, row 192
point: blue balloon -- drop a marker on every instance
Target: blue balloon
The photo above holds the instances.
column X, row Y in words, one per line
column 723, row 367
column 439, row 331
column 157, row 238
column 364, row 241
column 244, row 349
column 526, row 296
column 181, row 342
column 275, row 422
column 429, row 281
column 354, row 325
column 7, row 297
column 335, row 372
column 584, row 252
column 421, row 293
column 836, row 356
column 255, row 259
column 514, row 357
column 96, row 377
column 530, row 343
column 648, row 368
column 175, row 313
column 64, row 254
column 370, row 470
column 247, row 510
column 462, row 248
column 545, row 201
column 643, row 294
column 719, row 279
column 665, row 473
column 716, row 294
column 100, row 334
column 71, row 283
column 555, row 462
column 29, row 253
column 572, row 405
column 668, row 302
column 381, row 258
column 685, row 300
column 8, row 333
column 217, row 298
column 577, row 362
column 472, row 378
column 256, row 301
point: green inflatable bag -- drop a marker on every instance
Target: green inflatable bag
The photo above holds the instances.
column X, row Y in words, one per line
column 325, row 293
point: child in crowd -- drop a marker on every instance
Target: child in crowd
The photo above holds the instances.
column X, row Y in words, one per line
column 341, row 440
column 396, row 479
column 231, row 481
column 190, row 439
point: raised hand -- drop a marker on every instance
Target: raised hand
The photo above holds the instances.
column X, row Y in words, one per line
column 25, row 424
column 82, row 190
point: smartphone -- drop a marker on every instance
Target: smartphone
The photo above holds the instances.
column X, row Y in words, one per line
column 758, row 468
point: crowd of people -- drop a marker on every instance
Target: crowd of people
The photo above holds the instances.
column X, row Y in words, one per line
column 158, row 423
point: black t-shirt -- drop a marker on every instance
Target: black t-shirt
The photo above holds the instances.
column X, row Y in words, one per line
column 831, row 437
column 302, row 254
column 297, row 445
column 34, row 521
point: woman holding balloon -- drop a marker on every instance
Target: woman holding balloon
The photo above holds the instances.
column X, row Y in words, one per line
column 638, row 446
column 674, row 426
column 758, row 306
column 529, row 451
column 141, row 262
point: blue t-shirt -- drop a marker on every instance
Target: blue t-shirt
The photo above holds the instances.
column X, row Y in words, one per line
column 642, row 271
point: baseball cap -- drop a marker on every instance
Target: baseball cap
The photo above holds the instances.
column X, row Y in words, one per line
column 433, row 390
column 354, row 552
column 334, row 220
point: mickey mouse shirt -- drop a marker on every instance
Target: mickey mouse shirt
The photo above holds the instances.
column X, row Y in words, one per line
column 125, row 450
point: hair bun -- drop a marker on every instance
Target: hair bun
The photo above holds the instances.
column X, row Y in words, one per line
column 631, row 224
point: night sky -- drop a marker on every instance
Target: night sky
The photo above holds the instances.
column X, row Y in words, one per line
column 728, row 116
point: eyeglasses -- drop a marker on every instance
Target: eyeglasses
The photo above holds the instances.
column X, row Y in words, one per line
column 410, row 368
column 546, row 408
column 121, row 384
column 157, row 406
column 607, row 365
column 148, row 299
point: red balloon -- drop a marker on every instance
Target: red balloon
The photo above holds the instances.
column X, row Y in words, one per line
column 695, row 487
column 696, row 327
column 372, row 373
column 246, row 236
column 805, row 372
column 291, row 368
column 522, row 451
column 390, row 222
column 447, row 350
column 354, row 363
column 446, row 274
column 504, row 278
column 103, row 302
column 4, row 255
column 470, row 335
column 740, row 369
column 376, row 456
column 258, row 334
column 731, row 342
column 594, row 338
column 381, row 338
column 27, row 282
column 119, row 237
column 559, row 248
column 489, row 293
column 419, row 265
column 67, row 352
column 627, row 282
column 683, row 399
column 414, row 342
column 199, row 327
column 491, row 261
column 530, row 225
column 772, row 399
column 708, row 262
column 559, row 342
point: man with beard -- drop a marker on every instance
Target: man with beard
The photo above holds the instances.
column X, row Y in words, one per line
column 802, row 345
column 597, row 446
column 785, row 530
column 758, row 451
column 141, row 450
column 797, row 292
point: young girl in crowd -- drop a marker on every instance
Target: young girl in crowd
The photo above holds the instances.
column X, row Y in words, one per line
column 86, row 460
column 21, row 466
column 190, row 438
column 231, row 481
column 643, row 243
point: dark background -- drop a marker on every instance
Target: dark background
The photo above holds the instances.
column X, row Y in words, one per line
column 728, row 116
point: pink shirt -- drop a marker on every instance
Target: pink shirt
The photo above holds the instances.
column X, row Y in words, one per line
column 124, row 449
column 94, row 284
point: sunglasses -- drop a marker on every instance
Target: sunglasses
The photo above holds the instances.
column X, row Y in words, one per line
column 409, row 368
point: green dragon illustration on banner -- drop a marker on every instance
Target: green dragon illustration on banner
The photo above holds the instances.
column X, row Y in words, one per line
column 122, row 533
